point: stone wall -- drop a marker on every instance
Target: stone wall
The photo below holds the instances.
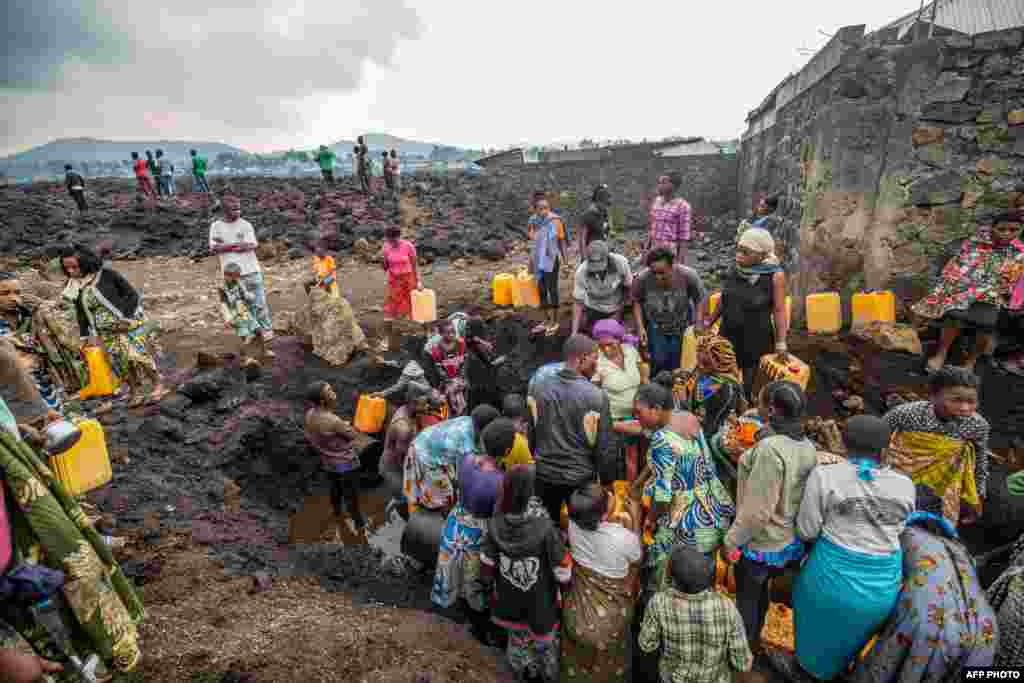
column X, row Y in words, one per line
column 709, row 182
column 889, row 160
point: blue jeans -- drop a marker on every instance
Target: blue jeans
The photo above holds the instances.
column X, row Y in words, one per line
column 167, row 185
column 199, row 184
column 253, row 283
column 665, row 350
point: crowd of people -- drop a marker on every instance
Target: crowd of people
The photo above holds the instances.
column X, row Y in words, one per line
column 584, row 523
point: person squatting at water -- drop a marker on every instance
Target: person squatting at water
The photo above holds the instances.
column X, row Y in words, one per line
column 335, row 441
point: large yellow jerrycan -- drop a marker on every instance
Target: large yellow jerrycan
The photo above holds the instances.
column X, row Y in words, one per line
column 424, row 305
column 772, row 370
column 370, row 414
column 688, row 355
column 869, row 307
column 503, row 287
column 824, row 313
column 102, row 381
column 85, row 466
column 529, row 292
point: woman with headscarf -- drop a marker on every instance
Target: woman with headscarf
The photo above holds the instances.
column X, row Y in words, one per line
column 1006, row 596
column 109, row 312
column 942, row 621
column 987, row 277
column 689, row 506
column 457, row 576
column 853, row 512
column 753, row 304
column 598, row 611
column 772, row 476
column 620, row 374
column 715, row 391
column 529, row 564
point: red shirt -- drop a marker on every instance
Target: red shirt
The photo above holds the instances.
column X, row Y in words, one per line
column 141, row 170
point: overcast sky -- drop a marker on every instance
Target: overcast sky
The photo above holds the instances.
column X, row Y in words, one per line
column 296, row 73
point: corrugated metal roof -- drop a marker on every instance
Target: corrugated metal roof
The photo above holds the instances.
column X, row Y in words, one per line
column 967, row 16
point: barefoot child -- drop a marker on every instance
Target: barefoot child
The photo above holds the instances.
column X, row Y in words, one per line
column 236, row 304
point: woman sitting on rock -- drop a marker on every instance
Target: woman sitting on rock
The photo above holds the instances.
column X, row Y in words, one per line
column 942, row 621
column 606, row 555
column 853, row 512
column 446, row 368
column 689, row 506
column 110, row 315
column 619, row 373
column 715, row 391
column 524, row 554
column 458, row 561
column 942, row 444
column 976, row 286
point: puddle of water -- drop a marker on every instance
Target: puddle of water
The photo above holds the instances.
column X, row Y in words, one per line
column 315, row 523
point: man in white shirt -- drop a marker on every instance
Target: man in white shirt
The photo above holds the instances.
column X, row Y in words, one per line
column 234, row 240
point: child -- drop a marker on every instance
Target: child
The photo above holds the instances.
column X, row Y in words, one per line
column 235, row 304
column 699, row 630
column 325, row 269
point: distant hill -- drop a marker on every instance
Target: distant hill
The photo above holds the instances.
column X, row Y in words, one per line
column 378, row 142
column 92, row 150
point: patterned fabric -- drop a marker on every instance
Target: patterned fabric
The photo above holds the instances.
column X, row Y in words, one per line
column 701, row 637
column 942, row 621
column 452, row 367
column 458, row 562
column 56, row 364
column 430, row 467
column 669, row 220
column 982, row 273
column 719, row 376
column 701, row 510
column 130, row 345
column 549, row 233
column 400, row 288
column 943, row 465
column 919, row 416
column 235, row 306
column 1006, row 595
column 50, row 528
column 532, row 656
column 596, row 618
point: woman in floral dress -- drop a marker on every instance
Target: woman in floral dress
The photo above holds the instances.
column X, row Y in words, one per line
column 976, row 286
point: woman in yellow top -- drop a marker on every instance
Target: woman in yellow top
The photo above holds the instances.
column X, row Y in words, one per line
column 620, row 373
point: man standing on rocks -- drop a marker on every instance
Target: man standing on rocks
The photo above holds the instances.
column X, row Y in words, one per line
column 669, row 219
column 154, row 171
column 199, row 172
column 76, row 187
column 325, row 157
column 602, row 286
column 234, row 241
column 664, row 296
column 362, row 164
column 594, row 222
column 142, row 178
column 570, row 426
column 166, row 170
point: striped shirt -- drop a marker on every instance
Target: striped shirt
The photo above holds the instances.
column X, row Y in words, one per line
column 669, row 220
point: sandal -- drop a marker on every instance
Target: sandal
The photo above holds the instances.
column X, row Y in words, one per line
column 137, row 402
column 157, row 396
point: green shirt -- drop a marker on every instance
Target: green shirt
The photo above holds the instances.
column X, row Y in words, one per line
column 199, row 165
column 326, row 159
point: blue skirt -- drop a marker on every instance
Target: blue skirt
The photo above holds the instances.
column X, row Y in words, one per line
column 840, row 600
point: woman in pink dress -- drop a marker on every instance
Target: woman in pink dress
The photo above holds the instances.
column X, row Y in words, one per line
column 403, row 276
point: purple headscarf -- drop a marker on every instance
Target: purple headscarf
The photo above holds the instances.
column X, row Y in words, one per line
column 609, row 328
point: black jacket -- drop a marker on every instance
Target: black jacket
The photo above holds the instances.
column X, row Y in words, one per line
column 72, row 179
column 117, row 293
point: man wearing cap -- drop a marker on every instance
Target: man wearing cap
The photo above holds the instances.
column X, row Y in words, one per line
column 602, row 287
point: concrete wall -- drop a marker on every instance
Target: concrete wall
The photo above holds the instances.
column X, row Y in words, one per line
column 709, row 182
column 889, row 159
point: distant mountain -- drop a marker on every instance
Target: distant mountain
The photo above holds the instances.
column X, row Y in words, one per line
column 378, row 142
column 78, row 150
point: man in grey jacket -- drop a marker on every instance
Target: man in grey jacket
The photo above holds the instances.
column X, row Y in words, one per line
column 570, row 426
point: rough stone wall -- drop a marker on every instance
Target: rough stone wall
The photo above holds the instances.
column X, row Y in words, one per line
column 709, row 182
column 889, row 161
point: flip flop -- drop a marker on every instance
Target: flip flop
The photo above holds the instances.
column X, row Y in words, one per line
column 157, row 397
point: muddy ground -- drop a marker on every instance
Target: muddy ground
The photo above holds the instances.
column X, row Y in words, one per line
column 218, row 492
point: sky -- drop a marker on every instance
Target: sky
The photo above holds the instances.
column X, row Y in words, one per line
column 280, row 74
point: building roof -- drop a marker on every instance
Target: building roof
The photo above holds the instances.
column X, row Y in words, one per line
column 497, row 155
column 966, row 16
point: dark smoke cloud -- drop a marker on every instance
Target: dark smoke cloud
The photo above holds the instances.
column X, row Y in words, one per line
column 189, row 68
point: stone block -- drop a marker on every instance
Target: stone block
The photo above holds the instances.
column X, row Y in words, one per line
column 950, row 112
column 1016, row 117
column 926, row 135
column 949, row 88
column 943, row 188
column 999, row 40
column 991, row 166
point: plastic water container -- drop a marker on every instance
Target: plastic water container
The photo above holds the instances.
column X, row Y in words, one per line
column 424, row 306
column 85, row 466
column 824, row 313
column 102, row 381
column 771, row 370
column 503, row 287
column 713, row 302
column 869, row 307
column 370, row 414
column 688, row 357
column 529, row 291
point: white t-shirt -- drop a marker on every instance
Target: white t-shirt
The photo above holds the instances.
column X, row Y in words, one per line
column 239, row 232
column 607, row 551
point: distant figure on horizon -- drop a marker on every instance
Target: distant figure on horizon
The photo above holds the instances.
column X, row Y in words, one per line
column 154, row 171
column 199, row 172
column 362, row 164
column 165, row 181
column 145, row 185
column 325, row 157
column 396, row 173
column 386, row 171
column 76, row 187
